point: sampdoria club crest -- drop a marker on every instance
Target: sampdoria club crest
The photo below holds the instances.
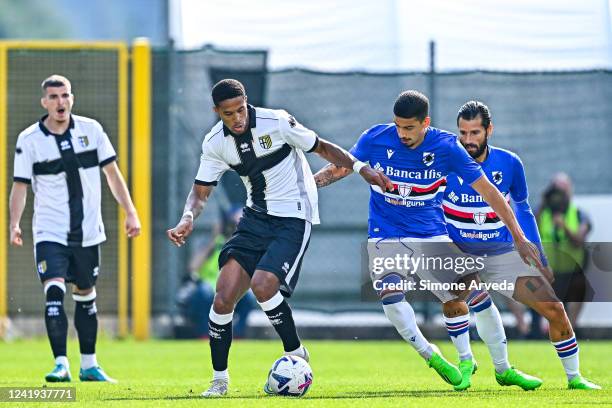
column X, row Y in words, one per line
column 479, row 218
column 404, row 190
column 497, row 177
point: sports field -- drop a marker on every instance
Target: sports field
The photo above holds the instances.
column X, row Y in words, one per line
column 346, row 373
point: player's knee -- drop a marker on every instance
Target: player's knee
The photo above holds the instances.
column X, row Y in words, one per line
column 223, row 303
column 455, row 308
column 264, row 286
column 553, row 311
column 83, row 292
column 84, row 296
column 390, row 289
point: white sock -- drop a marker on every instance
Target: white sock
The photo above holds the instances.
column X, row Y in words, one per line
column 62, row 360
column 297, row 352
column 221, row 375
column 459, row 331
column 491, row 330
column 567, row 350
column 88, row 361
column 402, row 316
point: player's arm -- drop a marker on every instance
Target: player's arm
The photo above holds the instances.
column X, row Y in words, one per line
column 524, row 215
column 528, row 251
column 22, row 176
column 17, row 202
column 117, row 185
column 305, row 139
column 196, row 201
column 212, row 167
column 330, row 174
column 348, row 163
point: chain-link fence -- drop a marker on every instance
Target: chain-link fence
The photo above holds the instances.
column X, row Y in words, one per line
column 95, row 82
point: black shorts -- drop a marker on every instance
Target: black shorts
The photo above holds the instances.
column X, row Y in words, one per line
column 273, row 244
column 78, row 265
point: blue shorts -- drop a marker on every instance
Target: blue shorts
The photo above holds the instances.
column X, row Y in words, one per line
column 273, row 244
column 78, row 265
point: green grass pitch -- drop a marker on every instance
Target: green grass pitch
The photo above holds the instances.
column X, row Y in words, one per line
column 346, row 374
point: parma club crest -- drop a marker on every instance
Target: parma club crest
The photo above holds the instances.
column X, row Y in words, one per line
column 83, row 141
column 42, row 267
column 265, row 141
column 497, row 177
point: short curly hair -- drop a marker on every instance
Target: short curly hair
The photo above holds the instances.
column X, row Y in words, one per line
column 227, row 89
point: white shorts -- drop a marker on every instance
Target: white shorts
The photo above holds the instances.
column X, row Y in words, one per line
column 503, row 270
column 436, row 254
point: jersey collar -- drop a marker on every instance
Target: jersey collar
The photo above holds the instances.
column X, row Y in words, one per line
column 47, row 132
column 252, row 121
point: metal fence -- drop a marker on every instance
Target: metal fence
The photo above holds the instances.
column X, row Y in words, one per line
column 96, row 72
column 553, row 120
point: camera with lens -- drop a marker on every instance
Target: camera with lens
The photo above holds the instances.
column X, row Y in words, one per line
column 556, row 200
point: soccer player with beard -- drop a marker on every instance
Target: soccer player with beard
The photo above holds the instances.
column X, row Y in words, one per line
column 417, row 158
column 476, row 229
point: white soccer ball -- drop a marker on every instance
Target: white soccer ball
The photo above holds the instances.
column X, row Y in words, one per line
column 289, row 376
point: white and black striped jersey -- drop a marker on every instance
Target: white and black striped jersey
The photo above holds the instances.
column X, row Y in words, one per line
column 270, row 160
column 64, row 171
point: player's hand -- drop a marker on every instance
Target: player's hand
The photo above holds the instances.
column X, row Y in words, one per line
column 548, row 274
column 376, row 178
column 530, row 254
column 132, row 225
column 16, row 239
column 183, row 229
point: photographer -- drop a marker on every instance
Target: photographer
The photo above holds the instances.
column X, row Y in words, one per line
column 563, row 228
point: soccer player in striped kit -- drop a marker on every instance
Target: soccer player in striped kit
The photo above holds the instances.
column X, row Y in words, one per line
column 61, row 156
column 409, row 217
column 266, row 148
column 476, row 228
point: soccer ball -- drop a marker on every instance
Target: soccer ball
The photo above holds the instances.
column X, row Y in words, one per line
column 289, row 376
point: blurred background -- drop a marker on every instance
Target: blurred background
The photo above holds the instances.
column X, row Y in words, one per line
column 542, row 66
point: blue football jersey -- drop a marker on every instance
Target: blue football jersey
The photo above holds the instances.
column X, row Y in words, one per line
column 472, row 223
column 414, row 207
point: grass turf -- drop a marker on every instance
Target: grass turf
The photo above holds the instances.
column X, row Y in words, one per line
column 346, row 373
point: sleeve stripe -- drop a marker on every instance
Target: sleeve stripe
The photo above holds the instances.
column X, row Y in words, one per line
column 108, row 161
column 314, row 147
column 22, row 180
column 205, row 183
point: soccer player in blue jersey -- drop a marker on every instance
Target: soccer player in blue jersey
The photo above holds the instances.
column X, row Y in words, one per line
column 476, row 229
column 417, row 158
